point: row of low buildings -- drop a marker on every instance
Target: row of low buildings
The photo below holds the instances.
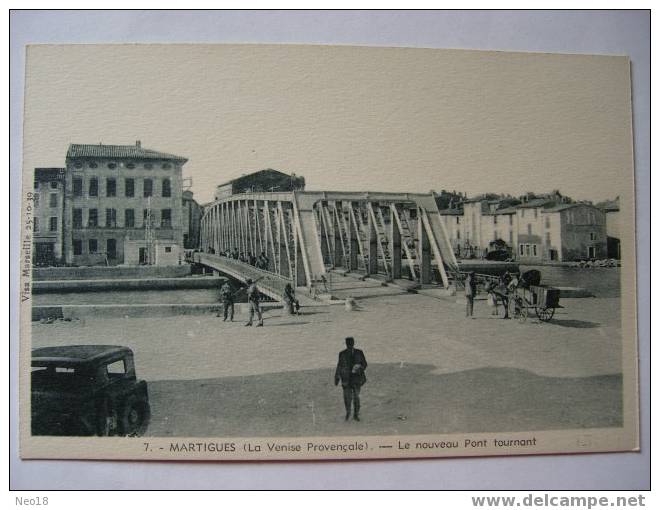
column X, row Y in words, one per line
column 539, row 229
column 113, row 204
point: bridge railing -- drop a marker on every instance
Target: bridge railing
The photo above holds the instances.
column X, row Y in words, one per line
column 270, row 283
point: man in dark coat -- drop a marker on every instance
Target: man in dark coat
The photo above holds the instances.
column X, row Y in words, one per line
column 350, row 371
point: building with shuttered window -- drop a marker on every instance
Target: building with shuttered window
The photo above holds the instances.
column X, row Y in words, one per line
column 123, row 205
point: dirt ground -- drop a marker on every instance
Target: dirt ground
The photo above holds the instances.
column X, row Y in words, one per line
column 431, row 370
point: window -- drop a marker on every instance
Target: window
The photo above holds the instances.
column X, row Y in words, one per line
column 129, row 218
column 111, row 248
column 166, row 218
column 36, row 185
column 52, row 224
column 93, row 187
column 547, row 238
column 458, row 220
column 53, row 184
column 534, row 250
column 145, row 214
column 511, row 219
column 167, row 188
column 458, row 234
column 52, row 200
column 130, row 166
column 529, row 229
column 148, row 187
column 111, row 218
column 116, row 367
column 78, row 164
column 93, row 218
column 93, row 165
column 511, row 237
column 111, row 187
column 93, row 245
column 77, row 218
column 592, row 236
column 112, row 166
column 129, row 187
column 495, row 220
column 168, row 249
column 77, row 187
column 77, row 247
column 522, row 249
column 35, row 224
column 166, row 166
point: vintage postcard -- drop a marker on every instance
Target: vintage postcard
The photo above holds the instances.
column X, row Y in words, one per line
column 272, row 252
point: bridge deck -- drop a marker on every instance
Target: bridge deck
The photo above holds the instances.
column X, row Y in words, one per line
column 270, row 284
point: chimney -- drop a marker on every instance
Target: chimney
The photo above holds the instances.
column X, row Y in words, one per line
column 138, row 144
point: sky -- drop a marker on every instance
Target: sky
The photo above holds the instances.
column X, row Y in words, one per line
column 346, row 118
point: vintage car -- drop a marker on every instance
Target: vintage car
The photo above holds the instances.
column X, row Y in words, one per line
column 82, row 390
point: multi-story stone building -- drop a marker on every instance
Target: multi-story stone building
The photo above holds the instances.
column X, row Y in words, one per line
column 544, row 229
column 262, row 180
column 574, row 232
column 48, row 215
column 613, row 227
column 474, row 229
column 192, row 215
column 123, row 205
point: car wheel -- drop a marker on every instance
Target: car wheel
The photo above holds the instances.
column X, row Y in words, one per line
column 135, row 417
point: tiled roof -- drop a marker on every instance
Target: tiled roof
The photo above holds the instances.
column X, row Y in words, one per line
column 451, row 212
column 609, row 205
column 562, row 207
column 118, row 151
column 536, row 202
column 253, row 174
column 506, row 210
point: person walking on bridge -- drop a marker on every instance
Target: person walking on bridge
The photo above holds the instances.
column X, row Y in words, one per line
column 253, row 303
column 350, row 371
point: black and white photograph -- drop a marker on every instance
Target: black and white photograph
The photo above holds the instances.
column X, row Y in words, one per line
column 258, row 252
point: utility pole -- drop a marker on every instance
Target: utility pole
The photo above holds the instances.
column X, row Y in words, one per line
column 148, row 233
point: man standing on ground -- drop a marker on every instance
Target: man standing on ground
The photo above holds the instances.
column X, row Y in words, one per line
column 350, row 371
column 253, row 303
column 227, row 297
column 470, row 293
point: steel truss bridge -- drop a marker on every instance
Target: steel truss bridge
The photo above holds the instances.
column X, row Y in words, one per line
column 305, row 234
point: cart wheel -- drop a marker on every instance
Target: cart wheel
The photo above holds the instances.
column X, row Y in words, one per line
column 545, row 314
column 522, row 316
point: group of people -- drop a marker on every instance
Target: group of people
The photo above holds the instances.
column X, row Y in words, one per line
column 227, row 297
column 260, row 262
column 351, row 365
column 499, row 292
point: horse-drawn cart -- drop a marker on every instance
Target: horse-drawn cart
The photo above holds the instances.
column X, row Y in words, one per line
column 541, row 299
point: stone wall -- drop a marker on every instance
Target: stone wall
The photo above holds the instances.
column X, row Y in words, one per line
column 104, row 272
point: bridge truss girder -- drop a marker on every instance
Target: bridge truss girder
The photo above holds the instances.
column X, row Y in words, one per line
column 304, row 233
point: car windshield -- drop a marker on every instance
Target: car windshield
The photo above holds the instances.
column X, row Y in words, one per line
column 60, row 378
